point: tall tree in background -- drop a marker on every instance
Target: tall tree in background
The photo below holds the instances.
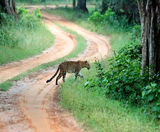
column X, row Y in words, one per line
column 105, row 4
column 8, row 6
column 82, row 5
column 74, row 3
column 129, row 8
column 150, row 31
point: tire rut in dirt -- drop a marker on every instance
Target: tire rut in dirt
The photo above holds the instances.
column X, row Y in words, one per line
column 59, row 50
column 39, row 101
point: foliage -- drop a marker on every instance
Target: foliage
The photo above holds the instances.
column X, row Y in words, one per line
column 110, row 18
column 123, row 9
column 22, row 11
column 98, row 18
column 151, row 98
column 136, row 32
column 37, row 13
column 29, row 20
column 124, row 82
column 7, row 37
column 17, row 36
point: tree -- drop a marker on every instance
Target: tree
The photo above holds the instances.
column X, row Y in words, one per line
column 149, row 11
column 74, row 3
column 105, row 4
column 129, row 8
column 8, row 6
column 82, row 5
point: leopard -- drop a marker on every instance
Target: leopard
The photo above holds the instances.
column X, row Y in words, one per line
column 70, row 67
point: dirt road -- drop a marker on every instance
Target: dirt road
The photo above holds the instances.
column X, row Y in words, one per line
column 31, row 105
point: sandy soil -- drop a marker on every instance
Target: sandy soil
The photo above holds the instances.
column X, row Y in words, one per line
column 31, row 105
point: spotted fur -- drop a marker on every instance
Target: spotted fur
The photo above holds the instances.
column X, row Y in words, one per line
column 70, row 67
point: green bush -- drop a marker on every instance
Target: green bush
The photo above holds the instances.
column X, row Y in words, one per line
column 27, row 19
column 37, row 13
column 22, row 11
column 98, row 18
column 151, row 98
column 124, row 82
column 123, row 78
column 136, row 32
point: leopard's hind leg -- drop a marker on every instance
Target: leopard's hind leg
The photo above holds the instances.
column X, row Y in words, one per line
column 77, row 74
column 80, row 75
column 58, row 77
column 64, row 75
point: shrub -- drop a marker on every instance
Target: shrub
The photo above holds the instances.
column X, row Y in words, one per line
column 27, row 19
column 124, row 82
column 22, row 11
column 109, row 16
column 136, row 32
column 98, row 18
column 37, row 13
column 151, row 98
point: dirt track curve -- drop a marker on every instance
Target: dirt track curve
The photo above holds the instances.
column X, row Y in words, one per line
column 31, row 105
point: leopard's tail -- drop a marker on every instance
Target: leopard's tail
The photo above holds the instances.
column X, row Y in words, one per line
column 53, row 76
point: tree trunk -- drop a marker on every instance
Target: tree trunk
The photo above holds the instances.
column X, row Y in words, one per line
column 150, row 31
column 104, row 6
column 30, row 1
column 8, row 6
column 74, row 3
column 82, row 5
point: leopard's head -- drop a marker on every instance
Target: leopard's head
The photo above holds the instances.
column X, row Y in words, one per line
column 87, row 65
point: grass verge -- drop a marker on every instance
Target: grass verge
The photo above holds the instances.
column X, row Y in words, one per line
column 28, row 42
column 98, row 113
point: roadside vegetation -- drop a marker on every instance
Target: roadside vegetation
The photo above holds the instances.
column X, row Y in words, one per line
column 94, row 100
column 24, row 37
column 44, row 2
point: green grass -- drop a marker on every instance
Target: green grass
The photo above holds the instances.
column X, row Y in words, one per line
column 28, row 42
column 55, row 2
column 100, row 114
column 5, row 86
column 48, row 2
